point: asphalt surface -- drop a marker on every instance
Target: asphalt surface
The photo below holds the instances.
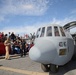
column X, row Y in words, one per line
column 25, row 66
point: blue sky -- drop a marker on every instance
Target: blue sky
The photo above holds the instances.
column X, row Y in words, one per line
column 25, row 16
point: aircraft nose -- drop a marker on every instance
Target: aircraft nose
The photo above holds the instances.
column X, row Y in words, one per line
column 34, row 53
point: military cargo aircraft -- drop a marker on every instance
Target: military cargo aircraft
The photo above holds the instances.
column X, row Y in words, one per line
column 53, row 47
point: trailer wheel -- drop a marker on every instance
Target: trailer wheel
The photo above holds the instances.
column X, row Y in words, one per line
column 45, row 68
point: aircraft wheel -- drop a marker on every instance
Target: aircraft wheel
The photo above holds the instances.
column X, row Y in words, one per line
column 53, row 69
column 45, row 68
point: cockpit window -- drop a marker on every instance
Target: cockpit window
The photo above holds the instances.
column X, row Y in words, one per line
column 56, row 31
column 38, row 32
column 62, row 32
column 49, row 31
column 42, row 32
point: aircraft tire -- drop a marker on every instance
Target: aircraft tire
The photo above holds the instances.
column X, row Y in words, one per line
column 53, row 69
column 45, row 68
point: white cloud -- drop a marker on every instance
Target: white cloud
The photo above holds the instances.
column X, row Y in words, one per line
column 23, row 7
column 20, row 30
column 27, row 7
column 31, row 29
column 63, row 21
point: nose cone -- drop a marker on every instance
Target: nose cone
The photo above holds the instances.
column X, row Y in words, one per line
column 34, row 53
column 43, row 51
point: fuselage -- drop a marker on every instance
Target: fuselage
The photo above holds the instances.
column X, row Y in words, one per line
column 52, row 48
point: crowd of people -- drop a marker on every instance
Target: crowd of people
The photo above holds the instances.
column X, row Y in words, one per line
column 14, row 43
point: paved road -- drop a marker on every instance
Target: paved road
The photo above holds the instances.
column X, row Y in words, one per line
column 25, row 66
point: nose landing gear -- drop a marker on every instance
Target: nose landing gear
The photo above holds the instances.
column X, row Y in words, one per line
column 50, row 68
column 53, row 69
column 45, row 67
